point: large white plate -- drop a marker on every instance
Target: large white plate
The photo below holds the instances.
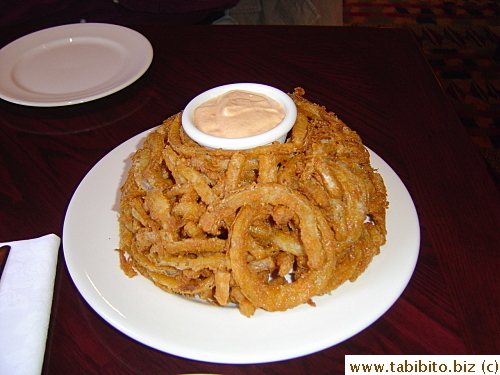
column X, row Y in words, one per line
column 199, row 331
column 72, row 64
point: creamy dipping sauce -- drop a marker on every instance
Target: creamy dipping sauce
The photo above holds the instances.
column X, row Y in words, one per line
column 237, row 114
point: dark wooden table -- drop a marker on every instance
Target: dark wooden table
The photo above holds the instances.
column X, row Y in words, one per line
column 377, row 81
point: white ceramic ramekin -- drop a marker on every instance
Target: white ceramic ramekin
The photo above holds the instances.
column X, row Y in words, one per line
column 278, row 133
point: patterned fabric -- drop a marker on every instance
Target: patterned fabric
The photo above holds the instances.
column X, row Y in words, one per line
column 26, row 290
column 461, row 40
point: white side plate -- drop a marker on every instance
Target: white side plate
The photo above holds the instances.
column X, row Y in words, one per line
column 72, row 64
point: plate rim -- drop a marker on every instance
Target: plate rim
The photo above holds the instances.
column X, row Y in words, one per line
column 207, row 356
column 111, row 32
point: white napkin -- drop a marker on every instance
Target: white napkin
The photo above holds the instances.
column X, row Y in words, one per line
column 26, row 290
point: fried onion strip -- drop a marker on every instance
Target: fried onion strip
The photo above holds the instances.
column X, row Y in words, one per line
column 265, row 228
